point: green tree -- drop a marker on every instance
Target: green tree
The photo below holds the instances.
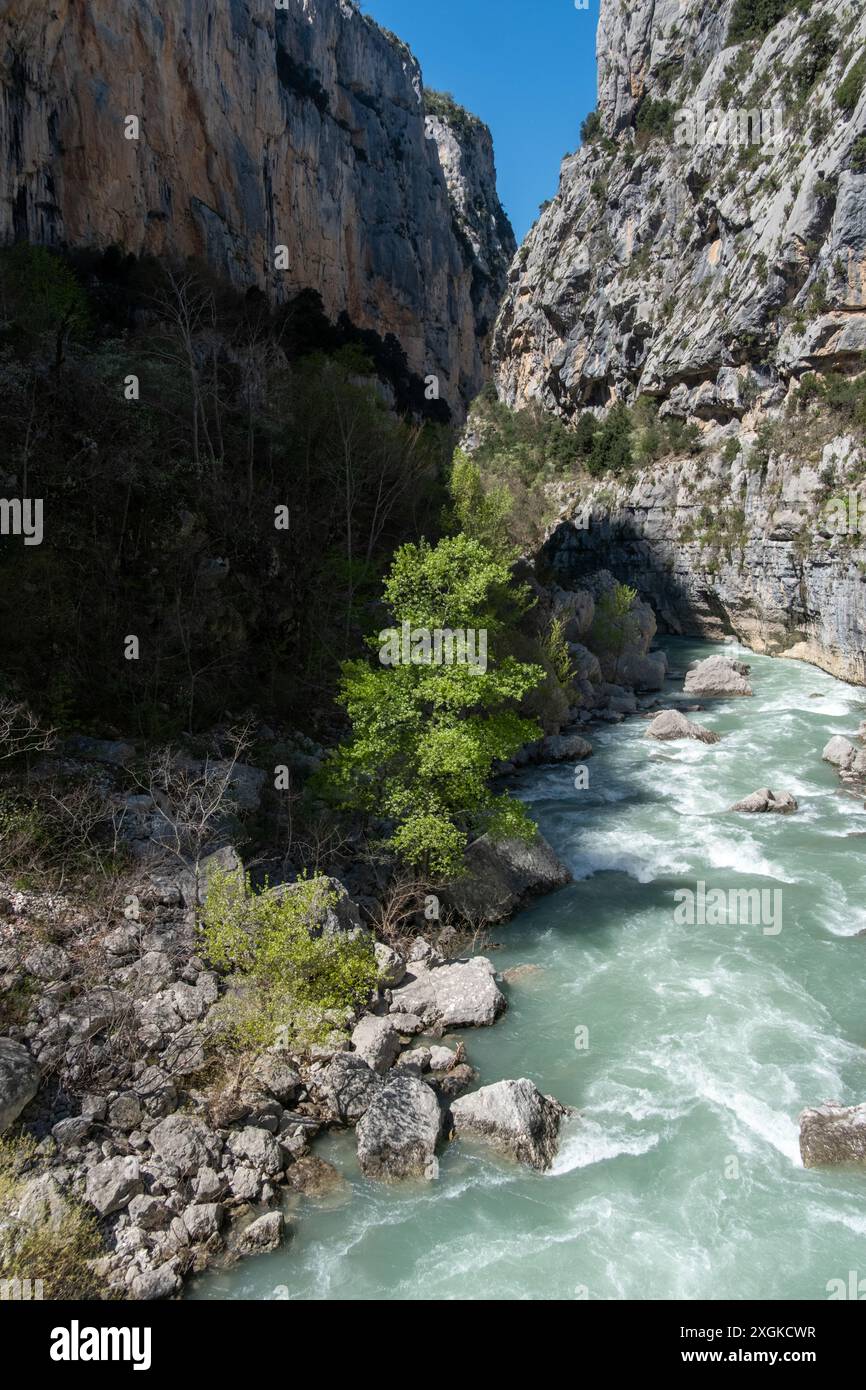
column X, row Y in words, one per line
column 615, row 625
column 478, row 511
column 40, row 298
column 611, row 447
column 425, row 735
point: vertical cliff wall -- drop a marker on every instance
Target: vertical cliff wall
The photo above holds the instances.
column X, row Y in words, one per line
column 302, row 126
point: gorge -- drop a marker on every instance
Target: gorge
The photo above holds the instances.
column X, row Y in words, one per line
column 261, row 1038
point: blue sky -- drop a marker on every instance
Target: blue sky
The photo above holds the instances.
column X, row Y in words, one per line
column 526, row 67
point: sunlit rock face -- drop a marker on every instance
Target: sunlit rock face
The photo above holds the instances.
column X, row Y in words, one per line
column 724, row 230
column 259, row 127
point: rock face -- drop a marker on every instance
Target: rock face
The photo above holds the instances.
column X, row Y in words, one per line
column 782, row 803
column 515, row 1117
column 503, row 875
column 661, row 264
column 19, row 1081
column 833, row 1133
column 717, row 676
column 463, row 994
column 303, row 127
column 707, row 265
column 397, row 1136
column 670, row 725
column 840, row 752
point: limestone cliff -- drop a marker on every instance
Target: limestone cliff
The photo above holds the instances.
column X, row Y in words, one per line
column 675, row 253
column 707, row 249
column 301, row 126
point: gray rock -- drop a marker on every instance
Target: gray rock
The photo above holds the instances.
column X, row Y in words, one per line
column 184, row 1143
column 514, row 1116
column 502, row 875
column 782, row 803
column 833, row 1133
column 203, row 1220
column 263, row 1234
column 19, row 1081
column 840, row 752
column 112, row 1184
column 390, row 964
column 47, row 963
column 125, row 1112
column 276, row 1074
column 72, row 1132
column 670, row 725
column 463, row 994
column 349, row 1086
column 377, row 1041
column 717, row 675
column 149, row 1213
column 152, row 1284
column 258, row 1147
column 397, row 1135
column 558, row 748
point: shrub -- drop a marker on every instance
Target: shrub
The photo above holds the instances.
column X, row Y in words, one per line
column 611, row 448
column 858, row 155
column 590, row 128
column 753, row 19
column 655, row 117
column 53, row 1242
column 289, row 970
column 850, row 89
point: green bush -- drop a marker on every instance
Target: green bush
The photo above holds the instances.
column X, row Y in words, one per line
column 655, row 117
column 590, row 128
column 53, row 1244
column 858, row 155
column 289, row 971
column 752, row 19
column 611, row 447
column 850, row 89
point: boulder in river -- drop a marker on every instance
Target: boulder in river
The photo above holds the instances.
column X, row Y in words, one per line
column 349, row 1086
column 841, row 753
column 397, row 1136
column 717, row 675
column 462, row 994
column 783, row 803
column 502, row 875
column 515, row 1117
column 833, row 1133
column 670, row 725
column 19, row 1081
column 560, row 748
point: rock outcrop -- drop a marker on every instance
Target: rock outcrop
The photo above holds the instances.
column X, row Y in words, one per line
column 515, row 1117
column 397, row 1135
column 502, row 875
column 461, row 994
column 763, row 801
column 716, row 675
column 670, row 724
column 706, row 249
column 19, row 1081
column 833, row 1133
column 303, row 128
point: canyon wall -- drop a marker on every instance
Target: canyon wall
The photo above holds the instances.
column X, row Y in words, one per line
column 706, row 249
column 259, row 127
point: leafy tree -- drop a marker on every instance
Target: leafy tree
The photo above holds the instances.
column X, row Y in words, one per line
column 611, row 448
column 615, row 626
column 850, row 89
column 40, row 298
column 424, row 736
column 478, row 511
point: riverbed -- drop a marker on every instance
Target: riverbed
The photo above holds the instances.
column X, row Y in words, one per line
column 687, row 1049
